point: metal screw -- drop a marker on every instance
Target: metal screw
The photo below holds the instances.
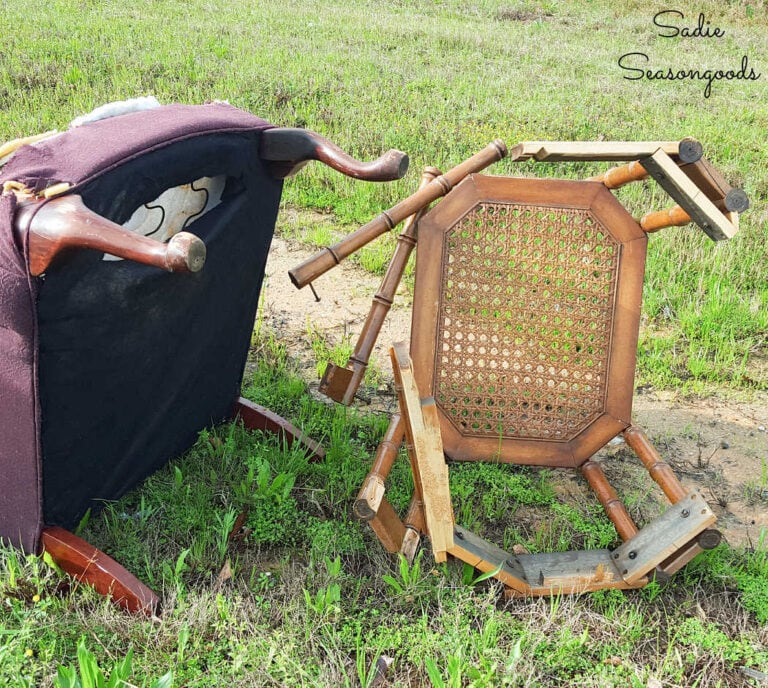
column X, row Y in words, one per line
column 615, row 555
column 458, row 534
column 632, row 555
column 685, row 513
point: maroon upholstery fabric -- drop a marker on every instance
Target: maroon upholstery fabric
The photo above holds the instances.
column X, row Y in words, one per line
column 20, row 484
column 79, row 154
column 76, row 156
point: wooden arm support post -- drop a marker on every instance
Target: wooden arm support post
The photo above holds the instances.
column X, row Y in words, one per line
column 51, row 227
column 331, row 256
column 341, row 384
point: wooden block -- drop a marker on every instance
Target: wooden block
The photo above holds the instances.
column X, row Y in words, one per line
column 662, row 537
column 553, row 151
column 485, row 557
column 689, row 196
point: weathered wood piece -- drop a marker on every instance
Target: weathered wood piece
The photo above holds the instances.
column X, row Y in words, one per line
column 63, row 223
column 486, row 557
column 388, row 527
column 707, row 539
column 428, row 460
column 256, row 417
column 687, row 195
column 539, row 574
column 686, row 150
column 288, row 150
column 331, row 256
column 91, row 566
column 341, row 384
column 663, row 537
column 415, row 525
column 707, row 178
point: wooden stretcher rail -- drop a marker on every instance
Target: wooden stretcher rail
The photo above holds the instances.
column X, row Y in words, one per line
column 54, row 226
column 331, row 256
column 686, row 150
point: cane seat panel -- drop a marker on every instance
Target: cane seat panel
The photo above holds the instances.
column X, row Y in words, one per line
column 527, row 315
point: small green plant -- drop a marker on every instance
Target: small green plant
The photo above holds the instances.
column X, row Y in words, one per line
column 411, row 582
column 87, row 674
column 325, row 602
column 469, row 577
column 453, row 669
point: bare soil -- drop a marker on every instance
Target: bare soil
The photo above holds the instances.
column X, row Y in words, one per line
column 717, row 444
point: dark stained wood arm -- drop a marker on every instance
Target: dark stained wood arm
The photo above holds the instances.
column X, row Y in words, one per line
column 256, row 417
column 288, row 150
column 65, row 222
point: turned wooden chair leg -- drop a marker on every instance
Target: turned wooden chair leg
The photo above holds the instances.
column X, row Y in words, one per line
column 90, row 565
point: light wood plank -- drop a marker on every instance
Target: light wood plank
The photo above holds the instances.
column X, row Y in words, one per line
column 555, row 151
column 662, row 537
column 689, row 196
column 429, row 460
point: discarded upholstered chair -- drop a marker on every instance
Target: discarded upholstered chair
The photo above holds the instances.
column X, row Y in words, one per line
column 132, row 252
column 524, row 330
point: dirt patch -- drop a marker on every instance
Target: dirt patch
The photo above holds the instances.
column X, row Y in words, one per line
column 717, row 445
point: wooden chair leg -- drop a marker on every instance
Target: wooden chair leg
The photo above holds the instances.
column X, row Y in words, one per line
column 614, row 508
column 91, row 566
column 657, row 468
column 255, row 417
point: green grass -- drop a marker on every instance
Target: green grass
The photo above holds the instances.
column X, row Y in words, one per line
column 306, row 596
column 440, row 80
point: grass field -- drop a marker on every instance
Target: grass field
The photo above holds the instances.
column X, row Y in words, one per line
column 311, row 599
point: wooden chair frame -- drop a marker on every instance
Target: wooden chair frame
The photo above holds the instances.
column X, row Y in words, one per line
column 433, row 430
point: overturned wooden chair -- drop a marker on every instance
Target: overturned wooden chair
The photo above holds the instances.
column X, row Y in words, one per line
column 524, row 331
column 132, row 253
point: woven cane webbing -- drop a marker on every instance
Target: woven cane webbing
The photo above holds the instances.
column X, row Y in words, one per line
column 525, row 310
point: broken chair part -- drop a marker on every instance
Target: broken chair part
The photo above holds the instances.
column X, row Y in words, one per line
column 525, row 323
column 329, row 257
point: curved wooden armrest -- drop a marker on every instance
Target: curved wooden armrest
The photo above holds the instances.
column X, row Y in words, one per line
column 287, row 150
column 65, row 222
